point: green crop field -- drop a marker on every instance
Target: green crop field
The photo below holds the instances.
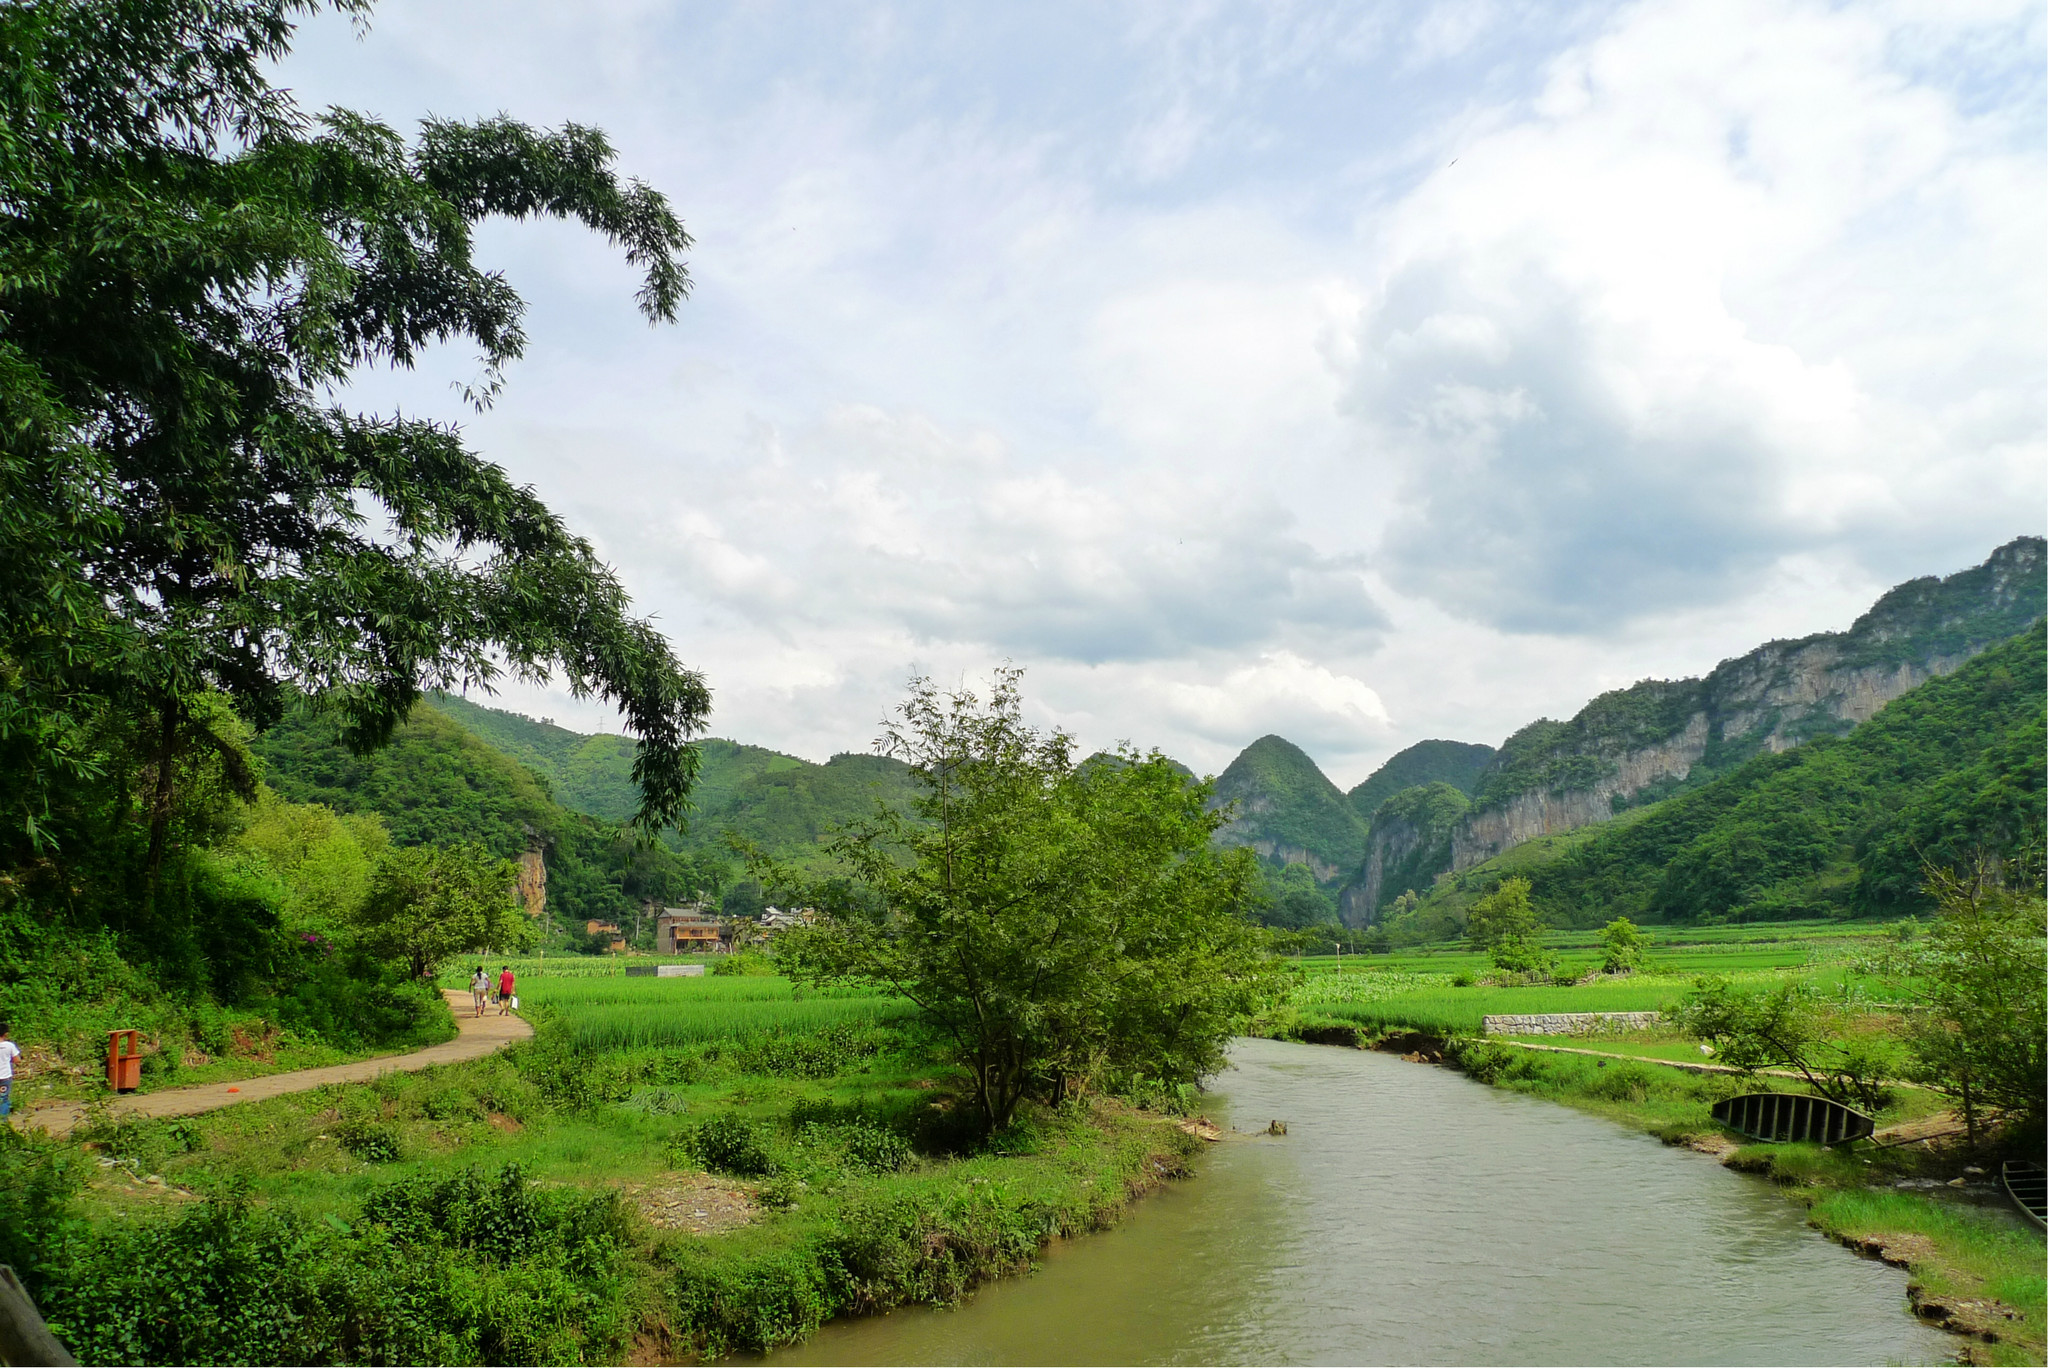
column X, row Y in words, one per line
column 602, row 1014
column 455, row 972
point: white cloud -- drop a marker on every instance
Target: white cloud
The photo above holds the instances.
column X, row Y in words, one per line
column 1360, row 373
column 1702, row 307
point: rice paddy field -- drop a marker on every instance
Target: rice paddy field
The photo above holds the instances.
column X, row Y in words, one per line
column 1420, row 989
column 455, row 972
column 594, row 1015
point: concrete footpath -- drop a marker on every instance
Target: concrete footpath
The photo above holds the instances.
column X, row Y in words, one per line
column 479, row 1036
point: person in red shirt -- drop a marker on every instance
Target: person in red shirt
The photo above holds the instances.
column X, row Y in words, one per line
column 505, row 991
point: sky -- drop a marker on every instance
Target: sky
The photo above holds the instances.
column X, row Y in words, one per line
column 1360, row 373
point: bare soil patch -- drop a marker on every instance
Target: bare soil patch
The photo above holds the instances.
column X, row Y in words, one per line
column 696, row 1202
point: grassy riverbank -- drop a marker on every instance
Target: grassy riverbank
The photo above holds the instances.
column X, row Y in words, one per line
column 672, row 1167
column 1975, row 1266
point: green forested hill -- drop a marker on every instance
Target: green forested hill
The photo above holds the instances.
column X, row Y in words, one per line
column 438, row 783
column 1837, row 827
column 592, row 774
column 1456, row 763
column 1287, row 808
column 783, row 804
column 457, row 771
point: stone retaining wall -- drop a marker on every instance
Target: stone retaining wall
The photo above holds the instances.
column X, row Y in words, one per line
column 1569, row 1023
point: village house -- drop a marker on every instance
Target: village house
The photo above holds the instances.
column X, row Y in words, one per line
column 776, row 920
column 691, row 929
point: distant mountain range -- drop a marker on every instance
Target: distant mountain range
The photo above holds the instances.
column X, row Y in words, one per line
column 1443, row 806
column 1432, row 810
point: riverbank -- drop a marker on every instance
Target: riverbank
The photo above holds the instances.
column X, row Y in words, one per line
column 1408, row 1217
column 1975, row 1269
column 726, row 1169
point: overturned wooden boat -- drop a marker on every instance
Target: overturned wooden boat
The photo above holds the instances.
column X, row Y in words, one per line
column 2027, row 1184
column 1781, row 1117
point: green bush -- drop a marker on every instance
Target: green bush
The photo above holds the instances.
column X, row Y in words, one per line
column 875, row 1149
column 373, row 1142
column 728, row 1144
column 813, row 1054
column 38, row 1179
column 503, row 1217
column 745, row 963
column 1625, row 1083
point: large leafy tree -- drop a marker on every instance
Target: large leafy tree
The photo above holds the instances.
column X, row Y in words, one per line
column 1978, row 1019
column 189, row 266
column 1057, row 925
column 427, row 903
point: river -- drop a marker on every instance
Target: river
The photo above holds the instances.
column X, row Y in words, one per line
column 1413, row 1216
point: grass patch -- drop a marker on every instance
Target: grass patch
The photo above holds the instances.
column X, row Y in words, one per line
column 517, row 1209
column 1968, row 1255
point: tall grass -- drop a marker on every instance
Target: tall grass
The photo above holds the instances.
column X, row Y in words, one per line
column 595, row 1015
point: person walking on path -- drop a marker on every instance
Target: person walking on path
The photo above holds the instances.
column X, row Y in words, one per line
column 505, row 983
column 9, row 1052
column 479, row 989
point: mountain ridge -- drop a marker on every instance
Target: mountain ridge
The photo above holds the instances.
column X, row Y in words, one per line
column 1635, row 746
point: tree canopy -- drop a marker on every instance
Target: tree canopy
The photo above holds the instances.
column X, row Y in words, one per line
column 1057, row 924
column 189, row 265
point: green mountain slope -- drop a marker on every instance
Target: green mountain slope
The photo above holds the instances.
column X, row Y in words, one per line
column 592, row 774
column 1781, row 694
column 435, row 784
column 438, row 783
column 1457, row 763
column 1289, row 811
column 779, row 802
column 786, row 805
column 1837, row 827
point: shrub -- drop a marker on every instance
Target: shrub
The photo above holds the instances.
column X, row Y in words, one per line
column 729, row 1144
column 373, row 1142
column 503, row 1217
column 1489, row 1063
column 38, row 1178
column 875, row 1149
column 744, row 962
column 812, row 1054
column 1624, row 1083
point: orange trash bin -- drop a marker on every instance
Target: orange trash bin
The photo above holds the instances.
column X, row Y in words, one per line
column 124, row 1068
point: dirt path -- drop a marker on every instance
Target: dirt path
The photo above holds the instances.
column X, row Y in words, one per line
column 479, row 1036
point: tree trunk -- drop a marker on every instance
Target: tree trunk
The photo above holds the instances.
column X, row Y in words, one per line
column 162, row 793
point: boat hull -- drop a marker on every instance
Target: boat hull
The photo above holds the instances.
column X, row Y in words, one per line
column 2027, row 1185
column 1778, row 1118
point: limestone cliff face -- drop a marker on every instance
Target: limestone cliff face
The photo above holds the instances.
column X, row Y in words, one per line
column 1287, row 810
column 1391, row 844
column 1788, row 694
column 1489, row 831
column 1409, row 842
column 533, row 883
column 1281, row 853
column 1556, row 777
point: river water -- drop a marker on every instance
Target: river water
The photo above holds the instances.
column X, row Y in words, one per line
column 1413, row 1216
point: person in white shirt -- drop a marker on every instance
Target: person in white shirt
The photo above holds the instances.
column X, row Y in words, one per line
column 479, row 989
column 9, row 1052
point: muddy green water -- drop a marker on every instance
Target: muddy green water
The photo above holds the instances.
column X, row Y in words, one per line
column 1412, row 1216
